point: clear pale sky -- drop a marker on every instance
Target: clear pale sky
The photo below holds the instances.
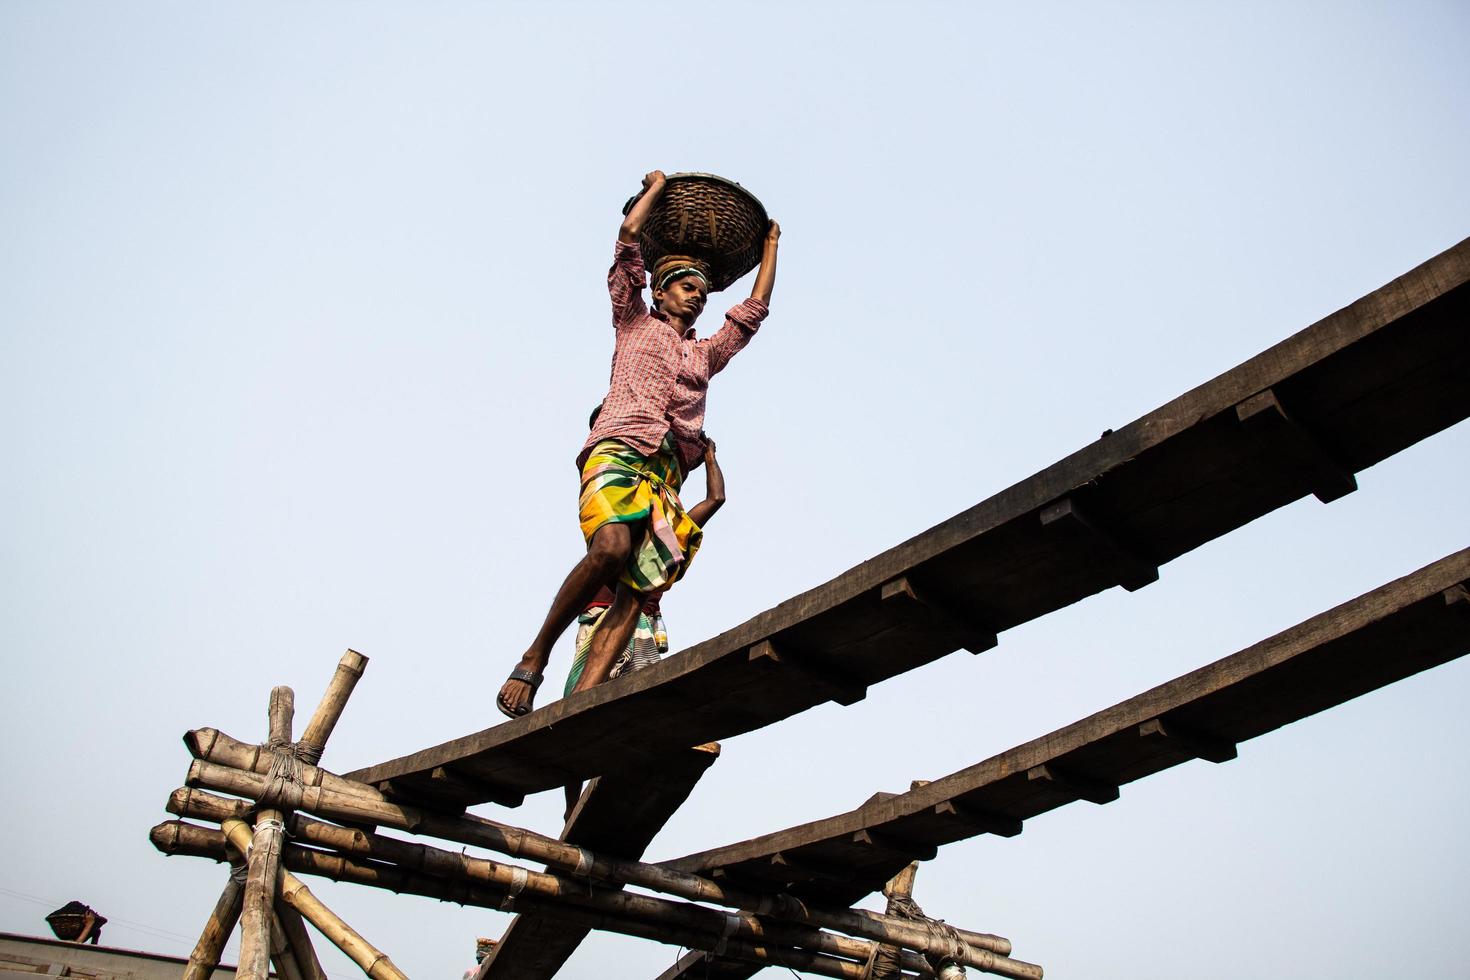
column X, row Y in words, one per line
column 302, row 310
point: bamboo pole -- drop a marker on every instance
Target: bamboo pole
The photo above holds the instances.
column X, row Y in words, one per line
column 314, row 740
column 885, row 962
column 295, row 929
column 830, row 955
column 264, row 858
column 517, row 842
column 282, row 955
column 373, row 961
column 217, row 928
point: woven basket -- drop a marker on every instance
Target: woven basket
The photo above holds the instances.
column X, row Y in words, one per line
column 707, row 218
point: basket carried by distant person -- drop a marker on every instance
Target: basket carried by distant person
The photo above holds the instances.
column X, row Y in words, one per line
column 709, row 219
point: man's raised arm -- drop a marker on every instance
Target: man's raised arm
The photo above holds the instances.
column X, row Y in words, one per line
column 765, row 279
column 653, row 189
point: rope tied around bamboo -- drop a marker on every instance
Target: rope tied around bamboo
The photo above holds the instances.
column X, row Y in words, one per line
column 287, row 773
column 946, row 965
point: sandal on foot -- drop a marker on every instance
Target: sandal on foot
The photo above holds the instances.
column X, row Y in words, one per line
column 528, row 677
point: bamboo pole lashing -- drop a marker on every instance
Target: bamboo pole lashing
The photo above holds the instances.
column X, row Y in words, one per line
column 833, row 955
column 517, row 842
column 373, row 961
column 213, row 745
column 206, row 954
column 454, row 876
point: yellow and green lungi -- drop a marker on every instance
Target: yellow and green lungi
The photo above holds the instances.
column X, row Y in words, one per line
column 621, row 484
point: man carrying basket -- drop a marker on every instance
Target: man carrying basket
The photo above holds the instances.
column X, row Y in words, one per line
column 647, row 439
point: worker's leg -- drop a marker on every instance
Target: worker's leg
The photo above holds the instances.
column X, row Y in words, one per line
column 606, row 554
column 613, row 635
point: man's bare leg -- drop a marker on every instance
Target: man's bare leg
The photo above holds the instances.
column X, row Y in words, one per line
column 612, row 637
column 609, row 640
column 607, row 552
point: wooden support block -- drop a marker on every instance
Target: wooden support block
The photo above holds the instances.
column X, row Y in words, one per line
column 1131, row 569
column 878, row 797
column 843, row 690
column 800, row 869
column 893, row 844
column 902, row 596
column 1457, row 597
column 1187, row 742
column 1073, row 784
column 981, row 821
column 455, row 784
column 1299, row 447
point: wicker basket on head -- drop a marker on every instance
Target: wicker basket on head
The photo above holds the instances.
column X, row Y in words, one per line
column 707, row 218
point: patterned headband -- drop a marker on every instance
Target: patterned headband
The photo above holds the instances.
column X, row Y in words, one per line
column 677, row 271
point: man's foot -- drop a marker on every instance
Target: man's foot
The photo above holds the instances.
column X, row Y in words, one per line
column 518, row 694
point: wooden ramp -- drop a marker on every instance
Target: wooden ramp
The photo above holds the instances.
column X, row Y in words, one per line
column 1407, row 626
column 618, row 816
column 1302, row 417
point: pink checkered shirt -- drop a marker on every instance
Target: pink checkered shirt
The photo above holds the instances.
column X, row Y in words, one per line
column 659, row 379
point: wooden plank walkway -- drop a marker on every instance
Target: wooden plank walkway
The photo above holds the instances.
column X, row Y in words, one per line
column 1302, row 417
column 618, row 815
column 1407, row 626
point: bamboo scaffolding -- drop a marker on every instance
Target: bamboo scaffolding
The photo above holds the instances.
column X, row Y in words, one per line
column 263, row 856
column 517, row 842
column 503, row 879
column 373, row 961
column 227, row 913
column 406, row 867
column 217, row 928
column 835, row 956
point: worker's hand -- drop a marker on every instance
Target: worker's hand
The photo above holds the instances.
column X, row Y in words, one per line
column 773, row 233
column 654, row 181
column 709, row 450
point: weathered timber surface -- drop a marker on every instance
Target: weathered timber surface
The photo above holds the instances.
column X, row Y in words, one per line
column 1300, row 418
column 619, row 815
column 1407, row 626
column 1393, row 632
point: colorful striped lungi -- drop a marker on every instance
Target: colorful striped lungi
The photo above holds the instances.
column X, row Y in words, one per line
column 621, row 484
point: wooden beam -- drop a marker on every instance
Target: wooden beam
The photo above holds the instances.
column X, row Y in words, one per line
column 1180, row 739
column 1297, row 445
column 618, row 814
column 1393, row 632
